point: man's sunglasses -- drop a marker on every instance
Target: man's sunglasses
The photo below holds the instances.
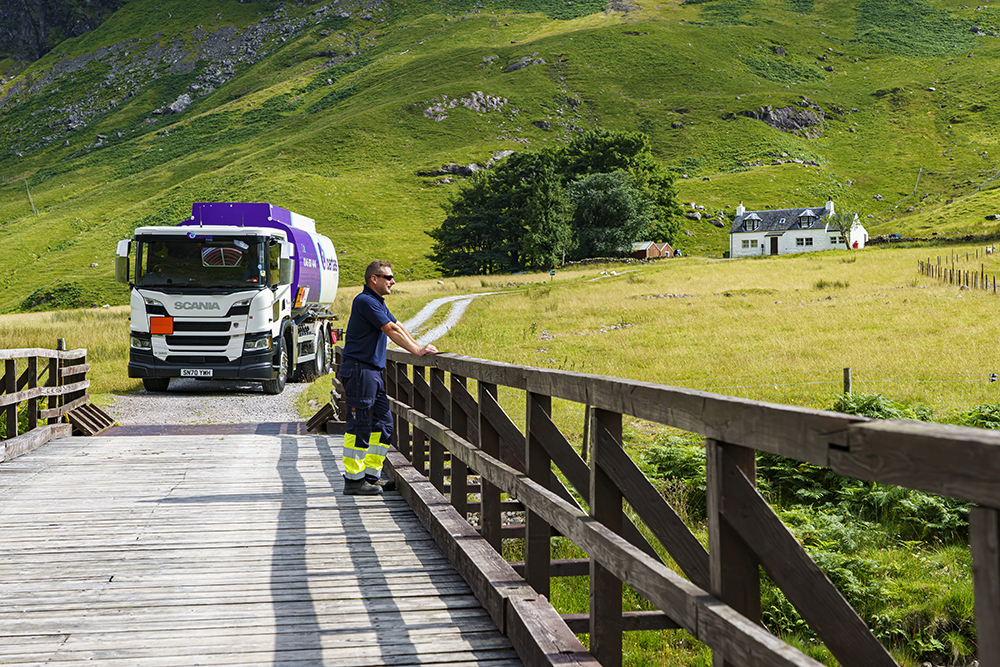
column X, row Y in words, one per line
column 388, row 277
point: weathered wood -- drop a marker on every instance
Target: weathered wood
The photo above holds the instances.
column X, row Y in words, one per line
column 537, row 551
column 26, row 442
column 172, row 550
column 63, row 409
column 38, row 392
column 534, row 627
column 460, row 425
column 956, row 461
column 606, row 509
column 561, row 567
column 791, row 568
column 984, row 535
column 632, row 621
column 79, row 369
column 9, row 383
column 25, row 352
column 418, row 442
column 708, row 619
column 439, row 409
column 576, row 471
column 658, row 515
column 489, row 442
column 733, row 566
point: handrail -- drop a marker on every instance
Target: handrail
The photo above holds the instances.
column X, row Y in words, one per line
column 57, row 378
column 719, row 602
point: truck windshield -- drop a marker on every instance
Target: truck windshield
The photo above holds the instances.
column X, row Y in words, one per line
column 213, row 262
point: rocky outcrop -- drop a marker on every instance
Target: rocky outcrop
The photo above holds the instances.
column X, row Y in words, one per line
column 806, row 118
column 31, row 28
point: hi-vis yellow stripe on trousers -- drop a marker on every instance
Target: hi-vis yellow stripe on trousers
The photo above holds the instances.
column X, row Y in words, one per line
column 362, row 461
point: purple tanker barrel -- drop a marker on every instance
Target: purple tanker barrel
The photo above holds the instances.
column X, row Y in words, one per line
column 316, row 275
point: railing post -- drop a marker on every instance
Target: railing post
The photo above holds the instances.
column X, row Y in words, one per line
column 438, row 413
column 32, row 383
column 459, row 471
column 400, row 391
column 606, row 508
column 420, row 392
column 984, row 539
column 733, row 568
column 10, row 387
column 538, row 533
column 489, row 442
column 54, row 379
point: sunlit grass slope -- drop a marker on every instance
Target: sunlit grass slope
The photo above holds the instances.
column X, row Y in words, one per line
column 907, row 91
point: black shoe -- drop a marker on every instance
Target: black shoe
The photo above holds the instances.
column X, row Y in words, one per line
column 361, row 487
column 384, row 484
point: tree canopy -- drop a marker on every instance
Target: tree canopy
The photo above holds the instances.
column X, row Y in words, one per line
column 594, row 197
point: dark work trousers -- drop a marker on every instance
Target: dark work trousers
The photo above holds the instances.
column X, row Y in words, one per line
column 368, row 428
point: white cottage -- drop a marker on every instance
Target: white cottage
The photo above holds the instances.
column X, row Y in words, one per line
column 790, row 230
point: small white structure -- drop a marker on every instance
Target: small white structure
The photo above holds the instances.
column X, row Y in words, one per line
column 790, row 230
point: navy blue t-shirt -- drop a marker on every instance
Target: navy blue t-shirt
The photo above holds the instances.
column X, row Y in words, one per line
column 364, row 339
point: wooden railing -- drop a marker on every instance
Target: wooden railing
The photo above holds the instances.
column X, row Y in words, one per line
column 50, row 383
column 444, row 431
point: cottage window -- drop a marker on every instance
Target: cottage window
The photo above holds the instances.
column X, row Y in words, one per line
column 835, row 240
column 746, row 243
column 753, row 243
column 803, row 241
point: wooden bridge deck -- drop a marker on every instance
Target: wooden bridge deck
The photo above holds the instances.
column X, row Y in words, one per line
column 221, row 549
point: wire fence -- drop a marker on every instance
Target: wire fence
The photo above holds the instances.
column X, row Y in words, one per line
column 948, row 270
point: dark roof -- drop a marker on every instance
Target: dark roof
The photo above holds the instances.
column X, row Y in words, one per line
column 779, row 220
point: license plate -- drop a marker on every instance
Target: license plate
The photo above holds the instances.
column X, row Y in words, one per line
column 196, row 372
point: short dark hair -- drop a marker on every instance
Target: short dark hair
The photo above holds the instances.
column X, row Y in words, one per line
column 376, row 266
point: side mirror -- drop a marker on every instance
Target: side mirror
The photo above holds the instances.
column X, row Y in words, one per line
column 286, row 268
column 121, row 261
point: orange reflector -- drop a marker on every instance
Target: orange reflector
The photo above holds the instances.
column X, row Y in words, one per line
column 161, row 325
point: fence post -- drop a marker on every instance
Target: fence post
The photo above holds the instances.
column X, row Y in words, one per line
column 459, row 471
column 419, row 442
column 606, row 508
column 733, row 567
column 984, row 539
column 847, row 380
column 32, row 382
column 54, row 380
column 438, row 413
column 538, row 465
column 10, row 387
column 489, row 442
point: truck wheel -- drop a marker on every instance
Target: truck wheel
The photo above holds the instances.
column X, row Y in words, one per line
column 277, row 385
column 155, row 384
column 318, row 366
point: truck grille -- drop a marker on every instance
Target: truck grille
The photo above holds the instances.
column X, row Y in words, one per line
column 197, row 341
column 189, row 325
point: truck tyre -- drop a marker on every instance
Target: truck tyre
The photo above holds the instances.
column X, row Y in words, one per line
column 277, row 385
column 319, row 366
column 155, row 384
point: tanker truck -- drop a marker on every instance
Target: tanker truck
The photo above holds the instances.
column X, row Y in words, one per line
column 240, row 291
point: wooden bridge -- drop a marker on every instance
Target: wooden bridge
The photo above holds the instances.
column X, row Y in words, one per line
column 237, row 548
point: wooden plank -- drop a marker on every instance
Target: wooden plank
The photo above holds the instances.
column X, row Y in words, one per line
column 632, row 621
column 606, row 509
column 23, row 352
column 26, row 442
column 533, row 625
column 63, row 409
column 984, row 536
column 78, row 369
column 37, row 392
column 796, row 574
column 708, row 619
column 790, row 431
column 537, row 533
column 489, row 442
column 577, row 472
column 231, row 549
column 956, row 461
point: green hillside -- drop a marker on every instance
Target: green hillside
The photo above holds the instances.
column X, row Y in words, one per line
column 346, row 111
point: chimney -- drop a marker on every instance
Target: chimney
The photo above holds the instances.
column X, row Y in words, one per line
column 740, row 210
column 829, row 206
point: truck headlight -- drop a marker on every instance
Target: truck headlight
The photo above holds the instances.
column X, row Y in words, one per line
column 243, row 302
column 141, row 343
column 257, row 343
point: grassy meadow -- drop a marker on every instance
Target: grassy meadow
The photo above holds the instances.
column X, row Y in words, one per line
column 776, row 329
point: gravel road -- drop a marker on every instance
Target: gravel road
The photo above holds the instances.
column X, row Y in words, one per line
column 190, row 401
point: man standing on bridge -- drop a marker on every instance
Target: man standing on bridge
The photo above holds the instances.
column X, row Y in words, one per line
column 368, row 421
